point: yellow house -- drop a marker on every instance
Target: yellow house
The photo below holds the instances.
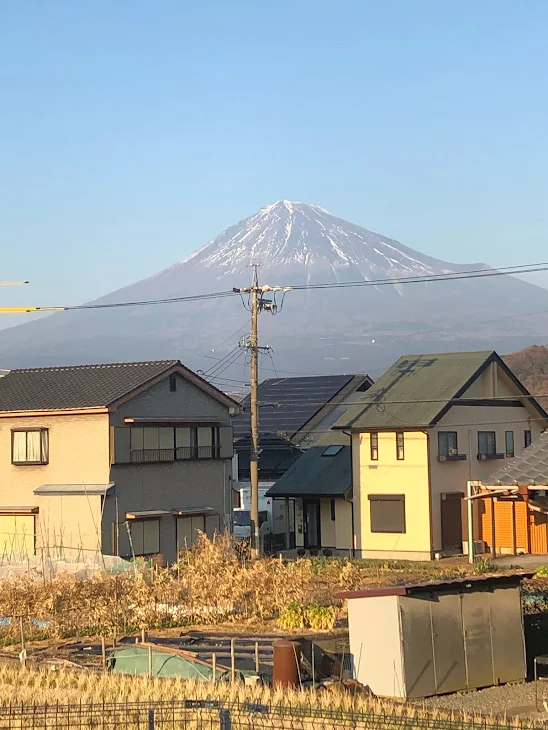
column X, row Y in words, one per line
column 429, row 425
column 125, row 459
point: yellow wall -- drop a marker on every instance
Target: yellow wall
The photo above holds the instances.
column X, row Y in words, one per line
column 390, row 476
column 78, row 453
column 343, row 524
column 328, row 533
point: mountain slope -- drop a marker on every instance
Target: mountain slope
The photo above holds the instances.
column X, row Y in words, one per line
column 342, row 330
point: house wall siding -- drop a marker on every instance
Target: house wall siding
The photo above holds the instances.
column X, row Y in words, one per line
column 188, row 401
column 78, row 454
column 170, row 485
column 387, row 475
column 453, row 476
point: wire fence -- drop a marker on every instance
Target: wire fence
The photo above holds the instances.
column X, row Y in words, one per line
column 214, row 715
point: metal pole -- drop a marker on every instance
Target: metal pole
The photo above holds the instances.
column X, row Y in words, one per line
column 23, row 650
column 232, row 662
column 254, row 456
column 214, row 667
column 470, row 511
column 226, row 722
column 103, row 653
column 287, row 525
column 150, row 661
column 151, row 718
column 257, row 665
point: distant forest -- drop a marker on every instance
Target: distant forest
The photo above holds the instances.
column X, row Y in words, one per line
column 531, row 367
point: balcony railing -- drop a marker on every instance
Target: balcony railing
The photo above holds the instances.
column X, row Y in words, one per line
column 181, row 453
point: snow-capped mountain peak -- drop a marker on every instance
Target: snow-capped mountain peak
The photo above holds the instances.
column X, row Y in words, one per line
column 306, row 239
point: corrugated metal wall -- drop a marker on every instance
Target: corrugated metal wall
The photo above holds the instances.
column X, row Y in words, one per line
column 503, row 524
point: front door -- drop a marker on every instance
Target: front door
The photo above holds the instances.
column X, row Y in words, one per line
column 311, row 514
column 451, row 522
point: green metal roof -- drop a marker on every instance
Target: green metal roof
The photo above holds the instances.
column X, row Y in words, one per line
column 402, row 397
column 314, row 474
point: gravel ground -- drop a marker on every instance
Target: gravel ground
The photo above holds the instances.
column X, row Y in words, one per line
column 509, row 699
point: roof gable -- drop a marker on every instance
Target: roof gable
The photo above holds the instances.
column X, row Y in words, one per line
column 414, row 390
column 89, row 386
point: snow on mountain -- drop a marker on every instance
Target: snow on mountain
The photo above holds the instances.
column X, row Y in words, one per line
column 297, row 235
column 361, row 329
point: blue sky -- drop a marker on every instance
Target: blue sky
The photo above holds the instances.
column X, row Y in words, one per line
column 131, row 133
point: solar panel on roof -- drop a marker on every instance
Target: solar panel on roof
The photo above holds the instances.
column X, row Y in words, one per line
column 287, row 404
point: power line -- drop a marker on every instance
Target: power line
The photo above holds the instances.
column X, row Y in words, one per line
column 425, row 278
column 418, row 279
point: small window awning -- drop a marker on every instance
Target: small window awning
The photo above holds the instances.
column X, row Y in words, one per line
column 151, row 514
column 489, row 493
column 175, row 421
column 18, row 510
column 74, row 489
column 190, row 511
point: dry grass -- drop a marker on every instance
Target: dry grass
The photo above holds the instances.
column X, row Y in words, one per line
column 27, row 687
column 210, row 584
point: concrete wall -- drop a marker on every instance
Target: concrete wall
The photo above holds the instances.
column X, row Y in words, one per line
column 387, row 475
column 78, row 453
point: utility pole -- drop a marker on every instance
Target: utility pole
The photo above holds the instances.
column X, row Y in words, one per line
column 254, row 454
column 257, row 304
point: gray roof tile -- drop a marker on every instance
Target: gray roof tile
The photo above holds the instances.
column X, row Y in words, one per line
column 79, row 386
column 531, row 467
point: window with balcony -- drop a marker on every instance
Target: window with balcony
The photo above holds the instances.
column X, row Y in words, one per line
column 30, row 446
column 151, row 444
column 448, row 447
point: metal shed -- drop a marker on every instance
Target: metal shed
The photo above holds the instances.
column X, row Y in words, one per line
column 432, row 638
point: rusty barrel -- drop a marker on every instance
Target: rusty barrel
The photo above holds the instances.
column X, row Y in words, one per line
column 286, row 659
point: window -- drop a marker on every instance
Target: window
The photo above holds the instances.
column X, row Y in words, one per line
column 527, row 438
column 487, row 443
column 332, row 450
column 509, row 441
column 173, row 383
column 447, row 443
column 374, row 442
column 332, row 510
column 145, row 537
column 387, row 512
column 190, row 526
column 399, row 446
column 150, row 444
column 30, row 446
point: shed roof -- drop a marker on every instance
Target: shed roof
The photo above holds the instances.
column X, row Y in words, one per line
column 87, row 386
column 418, row 389
column 530, row 468
column 457, row 584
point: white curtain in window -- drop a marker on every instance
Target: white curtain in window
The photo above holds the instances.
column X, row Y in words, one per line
column 34, row 443
column 19, row 446
column 44, row 443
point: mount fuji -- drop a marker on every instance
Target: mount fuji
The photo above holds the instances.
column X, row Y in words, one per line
column 359, row 329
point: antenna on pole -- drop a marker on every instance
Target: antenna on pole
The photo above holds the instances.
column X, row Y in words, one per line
column 258, row 304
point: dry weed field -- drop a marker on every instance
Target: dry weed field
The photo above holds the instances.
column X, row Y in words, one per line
column 210, row 584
